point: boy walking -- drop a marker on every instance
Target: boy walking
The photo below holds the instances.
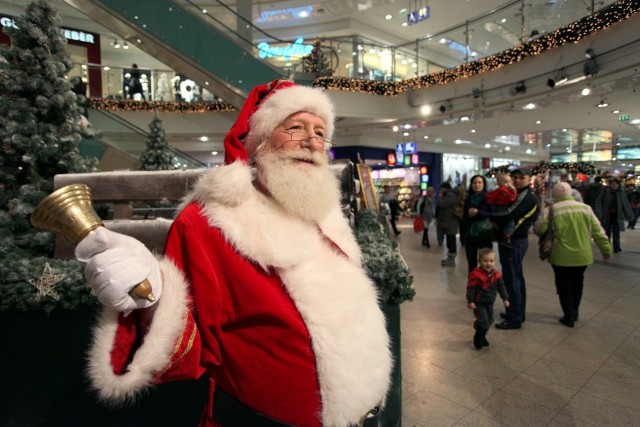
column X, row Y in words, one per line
column 483, row 285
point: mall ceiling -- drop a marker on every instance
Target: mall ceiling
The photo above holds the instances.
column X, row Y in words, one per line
column 565, row 115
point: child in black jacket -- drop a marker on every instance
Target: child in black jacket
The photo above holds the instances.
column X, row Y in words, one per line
column 483, row 285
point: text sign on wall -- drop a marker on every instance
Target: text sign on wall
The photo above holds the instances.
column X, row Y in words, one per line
column 79, row 36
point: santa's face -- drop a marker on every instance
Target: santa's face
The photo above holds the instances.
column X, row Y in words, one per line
column 292, row 167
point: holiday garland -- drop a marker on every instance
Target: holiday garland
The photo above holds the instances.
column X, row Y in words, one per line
column 544, row 166
column 568, row 34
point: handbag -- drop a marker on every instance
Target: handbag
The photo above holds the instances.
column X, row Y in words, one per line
column 482, row 230
column 547, row 240
column 418, row 225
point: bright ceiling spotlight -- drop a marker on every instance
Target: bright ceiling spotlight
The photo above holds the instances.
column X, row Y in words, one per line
column 425, row 110
column 603, row 103
column 586, row 91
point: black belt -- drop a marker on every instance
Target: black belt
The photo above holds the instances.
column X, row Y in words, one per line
column 228, row 412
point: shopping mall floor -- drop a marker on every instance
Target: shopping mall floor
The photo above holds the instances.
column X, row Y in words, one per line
column 544, row 374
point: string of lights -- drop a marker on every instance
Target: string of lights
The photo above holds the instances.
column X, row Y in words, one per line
column 572, row 33
column 160, row 106
column 544, row 166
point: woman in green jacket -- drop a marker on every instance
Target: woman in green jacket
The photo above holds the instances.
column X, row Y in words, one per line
column 575, row 225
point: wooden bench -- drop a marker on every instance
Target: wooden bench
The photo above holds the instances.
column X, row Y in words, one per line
column 123, row 188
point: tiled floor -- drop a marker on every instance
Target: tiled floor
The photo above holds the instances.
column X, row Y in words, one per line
column 544, row 374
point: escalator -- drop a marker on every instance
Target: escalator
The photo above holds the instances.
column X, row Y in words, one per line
column 120, row 144
column 184, row 42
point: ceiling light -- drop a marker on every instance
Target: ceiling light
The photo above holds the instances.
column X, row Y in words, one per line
column 204, row 138
column 407, row 126
column 464, row 119
column 538, row 122
column 214, row 153
column 586, row 91
column 406, row 134
column 388, row 17
column 529, row 106
column 404, row 24
column 603, row 103
column 615, row 112
column 395, row 128
column 424, row 110
column 303, row 14
column 426, row 137
column 507, row 148
column 473, row 131
column 487, row 145
column 125, row 45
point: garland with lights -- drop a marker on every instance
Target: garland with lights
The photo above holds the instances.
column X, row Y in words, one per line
column 160, row 106
column 571, row 33
column 543, row 167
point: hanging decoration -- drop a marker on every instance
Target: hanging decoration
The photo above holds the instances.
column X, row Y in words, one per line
column 45, row 285
column 160, row 106
column 543, row 167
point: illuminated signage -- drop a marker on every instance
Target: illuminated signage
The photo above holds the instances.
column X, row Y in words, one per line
column 280, row 14
column 419, row 15
column 391, row 159
column 298, row 49
column 414, row 159
column 75, row 35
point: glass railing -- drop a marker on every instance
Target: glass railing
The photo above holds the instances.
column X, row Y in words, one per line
column 509, row 25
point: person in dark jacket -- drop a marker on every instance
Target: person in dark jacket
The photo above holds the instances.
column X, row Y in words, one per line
column 475, row 209
column 447, row 222
column 524, row 212
column 612, row 209
column 485, row 282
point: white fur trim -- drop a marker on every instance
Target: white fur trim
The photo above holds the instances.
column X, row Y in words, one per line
column 283, row 103
column 154, row 354
column 332, row 293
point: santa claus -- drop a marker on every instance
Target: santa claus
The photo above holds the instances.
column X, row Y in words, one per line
column 260, row 285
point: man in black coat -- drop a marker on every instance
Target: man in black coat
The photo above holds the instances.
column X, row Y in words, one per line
column 523, row 212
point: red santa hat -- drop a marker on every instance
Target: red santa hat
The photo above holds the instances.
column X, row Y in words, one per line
column 266, row 107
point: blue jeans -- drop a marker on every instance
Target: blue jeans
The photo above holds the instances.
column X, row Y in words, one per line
column 513, row 276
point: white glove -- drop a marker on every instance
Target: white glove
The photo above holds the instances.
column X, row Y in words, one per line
column 115, row 264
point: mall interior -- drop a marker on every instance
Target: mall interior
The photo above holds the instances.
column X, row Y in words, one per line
column 426, row 92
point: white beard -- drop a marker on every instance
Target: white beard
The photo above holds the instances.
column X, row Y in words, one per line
column 303, row 189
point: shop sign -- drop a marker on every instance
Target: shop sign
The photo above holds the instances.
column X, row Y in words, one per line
column 391, row 159
column 418, row 15
column 298, row 49
column 75, row 35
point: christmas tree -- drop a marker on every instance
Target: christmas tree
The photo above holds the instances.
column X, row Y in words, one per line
column 40, row 129
column 157, row 155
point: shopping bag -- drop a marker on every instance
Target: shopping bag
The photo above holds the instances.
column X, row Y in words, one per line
column 418, row 225
column 482, row 230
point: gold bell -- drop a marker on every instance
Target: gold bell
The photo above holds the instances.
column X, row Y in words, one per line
column 68, row 211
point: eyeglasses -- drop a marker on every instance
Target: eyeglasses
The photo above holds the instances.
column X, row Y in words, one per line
column 301, row 136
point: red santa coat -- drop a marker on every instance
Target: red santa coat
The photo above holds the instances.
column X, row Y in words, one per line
column 278, row 312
